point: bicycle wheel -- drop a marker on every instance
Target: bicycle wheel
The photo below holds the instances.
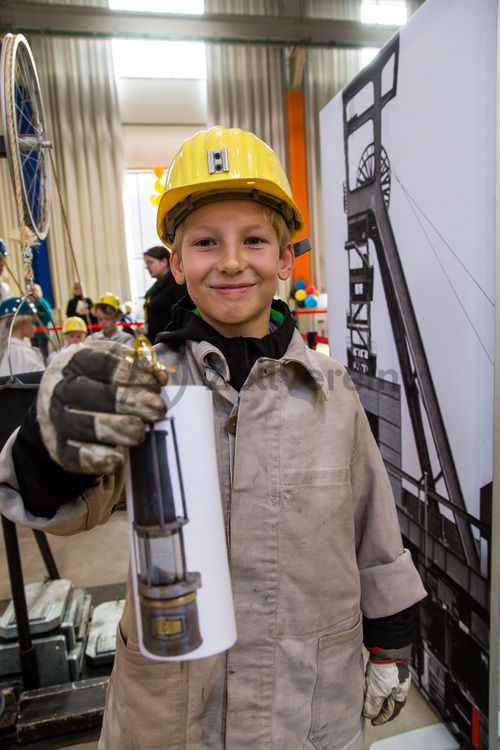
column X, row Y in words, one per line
column 25, row 132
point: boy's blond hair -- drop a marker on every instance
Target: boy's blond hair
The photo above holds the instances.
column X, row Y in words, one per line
column 275, row 219
column 18, row 325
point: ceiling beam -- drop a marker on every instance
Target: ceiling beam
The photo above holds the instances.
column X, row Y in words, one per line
column 89, row 21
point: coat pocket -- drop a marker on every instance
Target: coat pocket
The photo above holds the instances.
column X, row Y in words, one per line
column 336, row 720
column 147, row 702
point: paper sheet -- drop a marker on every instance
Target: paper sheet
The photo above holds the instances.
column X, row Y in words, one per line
column 204, row 534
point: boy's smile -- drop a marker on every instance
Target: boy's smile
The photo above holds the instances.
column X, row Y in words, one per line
column 231, row 263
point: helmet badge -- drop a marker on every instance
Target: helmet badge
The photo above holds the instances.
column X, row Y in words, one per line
column 217, row 160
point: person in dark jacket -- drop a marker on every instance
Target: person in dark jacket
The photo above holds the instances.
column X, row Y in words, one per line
column 164, row 293
column 80, row 305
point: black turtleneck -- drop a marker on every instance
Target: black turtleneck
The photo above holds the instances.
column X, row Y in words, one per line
column 240, row 352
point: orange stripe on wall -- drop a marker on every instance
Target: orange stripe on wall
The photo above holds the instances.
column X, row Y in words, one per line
column 298, row 173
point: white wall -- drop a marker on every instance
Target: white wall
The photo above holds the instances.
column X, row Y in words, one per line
column 157, row 115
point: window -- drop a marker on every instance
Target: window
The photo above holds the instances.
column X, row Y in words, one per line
column 366, row 55
column 137, row 58
column 140, row 231
column 150, row 58
column 389, row 12
column 185, row 7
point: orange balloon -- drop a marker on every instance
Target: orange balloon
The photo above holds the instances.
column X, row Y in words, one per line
column 158, row 171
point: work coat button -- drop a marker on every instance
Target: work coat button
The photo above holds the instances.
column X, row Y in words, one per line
column 230, row 425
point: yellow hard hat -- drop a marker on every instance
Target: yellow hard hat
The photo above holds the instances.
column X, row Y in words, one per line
column 108, row 298
column 73, row 325
column 224, row 161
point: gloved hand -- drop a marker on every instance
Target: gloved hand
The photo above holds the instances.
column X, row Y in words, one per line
column 387, row 682
column 92, row 403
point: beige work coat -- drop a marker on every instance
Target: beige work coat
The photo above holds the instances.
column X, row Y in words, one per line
column 313, row 543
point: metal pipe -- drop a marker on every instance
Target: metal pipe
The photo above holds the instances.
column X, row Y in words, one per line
column 284, row 31
column 46, row 554
column 27, row 655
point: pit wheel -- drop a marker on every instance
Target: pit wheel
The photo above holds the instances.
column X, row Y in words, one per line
column 366, row 171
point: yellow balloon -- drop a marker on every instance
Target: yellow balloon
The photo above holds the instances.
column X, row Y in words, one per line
column 300, row 295
column 158, row 171
column 159, row 186
column 154, row 199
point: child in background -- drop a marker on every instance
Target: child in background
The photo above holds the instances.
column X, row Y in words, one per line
column 74, row 331
column 128, row 316
column 108, row 313
column 23, row 357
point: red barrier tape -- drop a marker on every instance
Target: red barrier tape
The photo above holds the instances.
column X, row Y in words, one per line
column 309, row 312
column 140, row 324
column 90, row 326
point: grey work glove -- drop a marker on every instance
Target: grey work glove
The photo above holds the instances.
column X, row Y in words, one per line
column 92, row 403
column 387, row 683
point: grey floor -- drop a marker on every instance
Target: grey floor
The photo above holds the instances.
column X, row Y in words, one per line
column 100, row 557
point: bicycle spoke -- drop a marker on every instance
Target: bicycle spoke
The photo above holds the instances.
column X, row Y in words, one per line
column 25, row 131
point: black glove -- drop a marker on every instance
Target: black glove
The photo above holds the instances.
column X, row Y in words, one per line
column 92, row 403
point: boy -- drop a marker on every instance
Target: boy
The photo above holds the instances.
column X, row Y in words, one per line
column 74, row 331
column 22, row 357
column 108, row 313
column 312, row 534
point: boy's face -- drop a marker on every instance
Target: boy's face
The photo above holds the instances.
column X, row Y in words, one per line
column 74, row 337
column 24, row 327
column 106, row 320
column 29, row 326
column 231, row 262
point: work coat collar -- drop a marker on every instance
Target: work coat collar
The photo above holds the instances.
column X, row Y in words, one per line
column 212, row 362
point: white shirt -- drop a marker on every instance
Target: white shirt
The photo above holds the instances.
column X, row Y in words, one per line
column 60, row 351
column 23, row 358
column 120, row 336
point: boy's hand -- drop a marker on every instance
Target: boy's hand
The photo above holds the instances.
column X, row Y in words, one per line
column 387, row 682
column 92, row 403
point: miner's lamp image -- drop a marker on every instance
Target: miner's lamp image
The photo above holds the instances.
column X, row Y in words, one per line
column 167, row 591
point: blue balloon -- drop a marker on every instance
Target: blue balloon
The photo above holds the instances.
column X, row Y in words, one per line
column 311, row 300
column 300, row 284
